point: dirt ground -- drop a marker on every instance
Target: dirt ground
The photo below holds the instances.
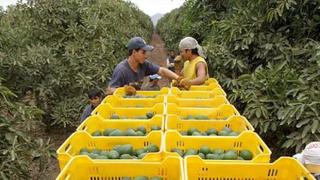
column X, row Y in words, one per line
column 58, row 136
column 159, row 56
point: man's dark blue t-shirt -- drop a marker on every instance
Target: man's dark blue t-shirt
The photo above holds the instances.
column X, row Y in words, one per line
column 123, row 74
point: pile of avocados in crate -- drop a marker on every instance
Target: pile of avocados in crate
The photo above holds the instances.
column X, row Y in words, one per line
column 170, row 134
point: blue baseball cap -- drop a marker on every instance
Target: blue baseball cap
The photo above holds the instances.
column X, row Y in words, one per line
column 138, row 43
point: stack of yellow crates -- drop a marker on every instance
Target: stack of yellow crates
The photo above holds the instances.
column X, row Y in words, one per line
column 131, row 125
column 171, row 135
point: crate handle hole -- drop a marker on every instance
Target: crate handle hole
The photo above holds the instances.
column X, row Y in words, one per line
column 272, row 172
column 67, row 147
column 261, row 148
column 204, row 169
column 146, row 143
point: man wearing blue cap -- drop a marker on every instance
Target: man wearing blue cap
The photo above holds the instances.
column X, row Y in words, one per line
column 136, row 67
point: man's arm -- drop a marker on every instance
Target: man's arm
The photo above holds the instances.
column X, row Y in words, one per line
column 201, row 74
column 117, row 80
column 110, row 90
column 167, row 73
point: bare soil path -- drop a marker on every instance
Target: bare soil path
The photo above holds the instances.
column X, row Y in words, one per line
column 159, row 56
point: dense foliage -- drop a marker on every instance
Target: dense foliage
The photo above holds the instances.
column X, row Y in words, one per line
column 267, row 56
column 20, row 149
column 64, row 48
column 60, row 49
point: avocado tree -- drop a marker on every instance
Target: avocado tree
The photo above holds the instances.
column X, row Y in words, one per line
column 266, row 56
column 64, row 48
column 60, row 50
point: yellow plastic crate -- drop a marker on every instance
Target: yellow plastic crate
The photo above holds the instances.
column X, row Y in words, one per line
column 208, row 87
column 222, row 112
column 209, row 103
column 78, row 140
column 116, row 101
column 236, row 123
column 247, row 140
column 106, row 111
column 120, row 92
column 282, row 169
column 197, row 94
column 170, row 168
column 94, row 123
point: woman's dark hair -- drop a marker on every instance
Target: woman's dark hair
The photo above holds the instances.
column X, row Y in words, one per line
column 195, row 51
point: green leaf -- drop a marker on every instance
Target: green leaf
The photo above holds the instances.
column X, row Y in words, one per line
column 10, row 137
column 280, row 67
column 302, row 107
column 258, row 113
column 303, row 122
column 306, row 129
column 293, row 134
column 315, row 125
column 288, row 143
column 306, row 139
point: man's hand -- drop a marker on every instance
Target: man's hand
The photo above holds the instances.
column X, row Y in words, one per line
column 110, row 91
column 136, row 85
column 164, row 72
column 175, row 83
column 129, row 90
column 185, row 84
column 179, row 79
